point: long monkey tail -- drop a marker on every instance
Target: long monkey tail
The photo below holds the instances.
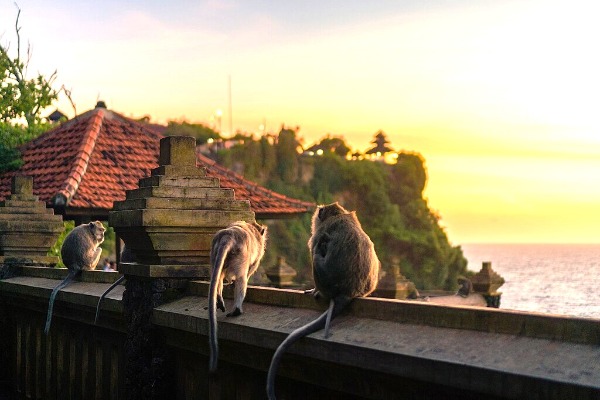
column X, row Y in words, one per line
column 219, row 261
column 114, row 285
column 335, row 307
column 69, row 278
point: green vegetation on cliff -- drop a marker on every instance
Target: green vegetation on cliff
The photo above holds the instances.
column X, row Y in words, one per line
column 388, row 199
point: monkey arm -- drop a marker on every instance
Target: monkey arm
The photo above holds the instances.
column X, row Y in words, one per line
column 95, row 258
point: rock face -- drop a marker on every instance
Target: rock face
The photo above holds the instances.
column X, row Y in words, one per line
column 27, row 228
column 171, row 218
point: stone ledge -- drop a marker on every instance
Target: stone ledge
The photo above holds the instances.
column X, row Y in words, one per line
column 165, row 271
column 78, row 293
column 96, row 276
column 464, row 359
column 375, row 335
column 491, row 320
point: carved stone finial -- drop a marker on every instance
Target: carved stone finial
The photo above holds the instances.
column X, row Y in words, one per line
column 178, row 150
column 487, row 281
column 27, row 228
column 168, row 222
column 22, row 185
column 394, row 285
column 281, row 274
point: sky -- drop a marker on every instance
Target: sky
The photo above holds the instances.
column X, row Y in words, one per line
column 500, row 97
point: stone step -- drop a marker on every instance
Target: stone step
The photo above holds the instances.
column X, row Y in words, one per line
column 8, row 213
column 182, row 204
column 175, row 192
column 23, row 204
column 178, row 181
column 10, row 227
column 180, row 218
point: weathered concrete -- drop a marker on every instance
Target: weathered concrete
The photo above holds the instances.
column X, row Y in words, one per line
column 27, row 228
column 379, row 348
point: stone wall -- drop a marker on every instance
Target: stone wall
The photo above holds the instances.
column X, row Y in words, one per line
column 379, row 348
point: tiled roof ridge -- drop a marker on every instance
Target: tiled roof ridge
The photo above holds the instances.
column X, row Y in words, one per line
column 80, row 164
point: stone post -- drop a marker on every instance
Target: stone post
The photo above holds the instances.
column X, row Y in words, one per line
column 27, row 229
column 281, row 274
column 394, row 285
column 487, row 282
column 167, row 223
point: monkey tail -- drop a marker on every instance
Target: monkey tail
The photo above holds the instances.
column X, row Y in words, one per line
column 335, row 307
column 219, row 261
column 69, row 278
column 114, row 285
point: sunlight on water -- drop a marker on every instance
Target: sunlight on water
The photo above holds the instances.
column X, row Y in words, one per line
column 556, row 279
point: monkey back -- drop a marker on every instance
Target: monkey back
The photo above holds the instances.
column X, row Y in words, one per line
column 344, row 258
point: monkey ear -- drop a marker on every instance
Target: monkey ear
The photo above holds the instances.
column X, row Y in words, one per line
column 92, row 224
column 263, row 229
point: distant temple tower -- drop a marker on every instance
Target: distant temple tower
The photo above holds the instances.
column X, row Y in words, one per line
column 381, row 149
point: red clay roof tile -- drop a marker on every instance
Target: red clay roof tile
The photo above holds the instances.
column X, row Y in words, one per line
column 89, row 162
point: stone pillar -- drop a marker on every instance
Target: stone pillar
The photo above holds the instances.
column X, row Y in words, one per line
column 394, row 285
column 487, row 282
column 281, row 274
column 167, row 223
column 27, row 228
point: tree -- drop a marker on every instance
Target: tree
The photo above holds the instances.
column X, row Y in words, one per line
column 201, row 132
column 20, row 97
column 334, row 145
column 286, row 150
column 21, row 100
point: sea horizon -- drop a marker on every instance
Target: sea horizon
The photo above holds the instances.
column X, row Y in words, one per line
column 555, row 278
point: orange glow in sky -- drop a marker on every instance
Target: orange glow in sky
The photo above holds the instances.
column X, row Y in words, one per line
column 501, row 98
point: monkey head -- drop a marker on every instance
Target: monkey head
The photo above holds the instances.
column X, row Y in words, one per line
column 262, row 229
column 97, row 230
column 326, row 211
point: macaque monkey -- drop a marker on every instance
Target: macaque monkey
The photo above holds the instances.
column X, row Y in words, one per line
column 344, row 265
column 235, row 254
column 80, row 251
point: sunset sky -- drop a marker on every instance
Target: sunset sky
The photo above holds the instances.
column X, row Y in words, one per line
column 500, row 97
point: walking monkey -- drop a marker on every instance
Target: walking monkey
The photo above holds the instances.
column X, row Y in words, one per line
column 236, row 252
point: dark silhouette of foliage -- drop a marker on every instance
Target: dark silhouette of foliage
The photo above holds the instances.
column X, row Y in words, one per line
column 286, row 150
column 201, row 132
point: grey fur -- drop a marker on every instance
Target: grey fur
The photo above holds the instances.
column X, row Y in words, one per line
column 345, row 266
column 236, row 252
column 80, row 251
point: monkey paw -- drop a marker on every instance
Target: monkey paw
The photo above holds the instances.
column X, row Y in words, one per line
column 314, row 292
column 220, row 304
column 234, row 313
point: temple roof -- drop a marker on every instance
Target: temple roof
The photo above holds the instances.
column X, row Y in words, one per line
column 87, row 163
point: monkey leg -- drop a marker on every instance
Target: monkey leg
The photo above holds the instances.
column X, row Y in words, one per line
column 220, row 301
column 241, row 284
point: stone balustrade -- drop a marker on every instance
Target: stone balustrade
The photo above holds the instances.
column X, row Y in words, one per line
column 379, row 348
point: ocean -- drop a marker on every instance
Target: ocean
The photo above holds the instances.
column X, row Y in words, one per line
column 547, row 278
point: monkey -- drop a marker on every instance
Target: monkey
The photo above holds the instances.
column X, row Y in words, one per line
column 126, row 256
column 80, row 251
column 466, row 287
column 236, row 252
column 344, row 266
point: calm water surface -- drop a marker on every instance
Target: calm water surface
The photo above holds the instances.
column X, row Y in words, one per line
column 548, row 278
